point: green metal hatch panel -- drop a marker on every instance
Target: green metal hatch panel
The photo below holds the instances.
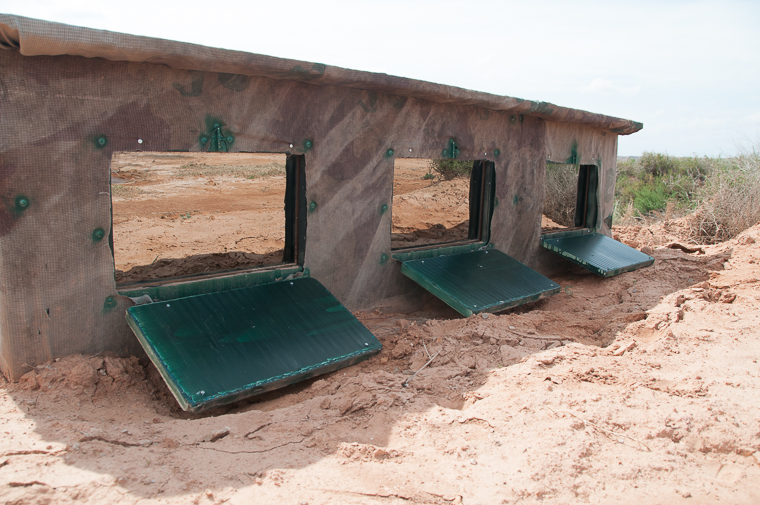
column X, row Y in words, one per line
column 479, row 281
column 598, row 253
column 217, row 348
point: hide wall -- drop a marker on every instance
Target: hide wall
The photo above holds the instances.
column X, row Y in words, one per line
column 64, row 116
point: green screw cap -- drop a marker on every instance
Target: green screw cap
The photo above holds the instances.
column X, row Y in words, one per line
column 204, row 140
column 389, row 153
column 313, row 206
column 384, row 208
column 383, row 259
column 109, row 304
column 496, row 152
column 308, row 144
column 101, row 141
column 22, row 202
column 230, row 139
column 98, row 234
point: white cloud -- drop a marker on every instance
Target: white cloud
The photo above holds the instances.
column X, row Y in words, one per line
column 606, row 86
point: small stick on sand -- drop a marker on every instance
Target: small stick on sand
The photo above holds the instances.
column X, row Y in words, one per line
column 426, row 351
column 605, row 430
column 406, row 382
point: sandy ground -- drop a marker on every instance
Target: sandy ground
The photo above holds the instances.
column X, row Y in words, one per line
column 187, row 213
column 427, row 211
column 642, row 388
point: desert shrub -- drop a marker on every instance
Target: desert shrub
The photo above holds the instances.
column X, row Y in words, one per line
column 656, row 182
column 127, row 192
column 656, row 164
column 449, row 169
column 245, row 171
column 651, row 197
column 729, row 201
column 561, row 193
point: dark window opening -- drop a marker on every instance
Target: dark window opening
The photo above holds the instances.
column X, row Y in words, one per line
column 441, row 202
column 570, row 199
column 181, row 214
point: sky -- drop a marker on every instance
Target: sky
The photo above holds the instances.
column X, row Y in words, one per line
column 689, row 70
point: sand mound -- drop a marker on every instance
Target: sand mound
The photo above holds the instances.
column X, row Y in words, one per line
column 642, row 388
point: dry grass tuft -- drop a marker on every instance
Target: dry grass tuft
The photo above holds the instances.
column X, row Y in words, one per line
column 561, row 193
column 729, row 201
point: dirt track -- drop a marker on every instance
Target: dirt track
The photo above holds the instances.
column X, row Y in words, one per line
column 642, row 388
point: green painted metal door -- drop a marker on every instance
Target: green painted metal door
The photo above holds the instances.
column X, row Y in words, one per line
column 598, row 253
column 479, row 281
column 217, row 348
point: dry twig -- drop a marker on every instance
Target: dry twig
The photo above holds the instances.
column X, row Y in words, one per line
column 406, row 382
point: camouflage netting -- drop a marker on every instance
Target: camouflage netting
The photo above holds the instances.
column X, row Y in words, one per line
column 73, row 96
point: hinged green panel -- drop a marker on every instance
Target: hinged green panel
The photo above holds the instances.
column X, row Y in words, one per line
column 479, row 281
column 220, row 347
column 598, row 253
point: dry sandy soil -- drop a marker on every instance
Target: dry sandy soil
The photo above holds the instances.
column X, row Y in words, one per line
column 427, row 211
column 182, row 213
column 642, row 388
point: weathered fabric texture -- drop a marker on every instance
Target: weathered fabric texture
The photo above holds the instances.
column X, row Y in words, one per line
column 42, row 38
column 64, row 116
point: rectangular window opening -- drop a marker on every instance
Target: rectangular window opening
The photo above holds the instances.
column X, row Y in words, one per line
column 570, row 197
column 179, row 215
column 440, row 202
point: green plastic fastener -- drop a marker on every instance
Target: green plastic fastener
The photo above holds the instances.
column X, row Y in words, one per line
column 389, row 153
column 384, row 208
column 98, row 234
column 453, row 151
column 496, row 152
column 308, row 144
column 109, row 304
column 216, row 138
column 22, row 202
column 101, row 141
column 383, row 259
column 312, row 206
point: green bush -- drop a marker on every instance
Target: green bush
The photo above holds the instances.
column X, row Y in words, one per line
column 721, row 195
column 657, row 181
column 650, row 198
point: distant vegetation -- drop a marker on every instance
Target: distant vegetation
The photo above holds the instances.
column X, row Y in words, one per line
column 718, row 197
column 246, row 171
column 561, row 193
column 448, row 169
column 721, row 195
